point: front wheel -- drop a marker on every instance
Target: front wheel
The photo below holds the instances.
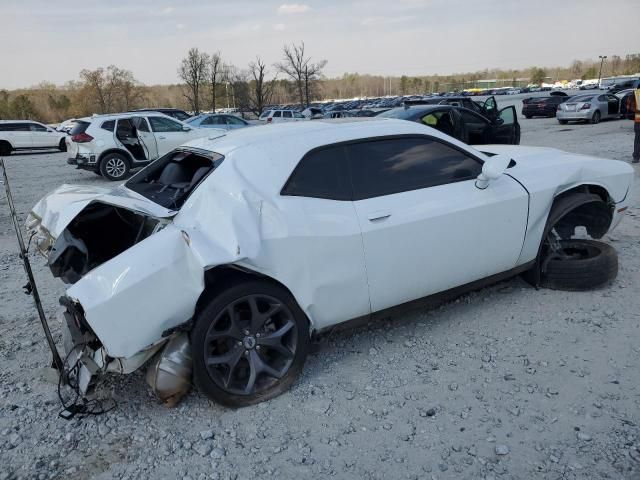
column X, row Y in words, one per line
column 114, row 166
column 249, row 344
column 562, row 122
column 577, row 265
column 62, row 146
column 595, row 118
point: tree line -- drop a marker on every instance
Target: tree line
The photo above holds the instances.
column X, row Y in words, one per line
column 208, row 83
column 252, row 88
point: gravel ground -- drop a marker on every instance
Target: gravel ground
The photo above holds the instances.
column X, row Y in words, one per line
column 504, row 383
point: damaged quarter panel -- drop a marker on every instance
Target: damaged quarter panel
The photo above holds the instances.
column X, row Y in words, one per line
column 131, row 299
column 312, row 246
column 532, row 169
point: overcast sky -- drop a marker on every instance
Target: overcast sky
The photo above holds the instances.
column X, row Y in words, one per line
column 53, row 40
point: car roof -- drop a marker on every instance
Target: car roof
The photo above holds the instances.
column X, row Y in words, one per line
column 311, row 133
column 20, row 121
column 265, row 156
column 115, row 116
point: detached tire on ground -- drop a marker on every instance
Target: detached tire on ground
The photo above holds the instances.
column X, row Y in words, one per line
column 114, row 166
column 249, row 344
column 583, row 265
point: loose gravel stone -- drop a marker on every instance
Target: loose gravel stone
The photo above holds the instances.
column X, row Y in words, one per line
column 502, row 450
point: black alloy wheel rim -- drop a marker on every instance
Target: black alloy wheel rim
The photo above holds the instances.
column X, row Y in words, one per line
column 251, row 344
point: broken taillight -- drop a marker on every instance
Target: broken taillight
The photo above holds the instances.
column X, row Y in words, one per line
column 81, row 138
column 269, row 120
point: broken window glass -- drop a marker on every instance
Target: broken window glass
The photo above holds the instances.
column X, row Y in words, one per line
column 170, row 180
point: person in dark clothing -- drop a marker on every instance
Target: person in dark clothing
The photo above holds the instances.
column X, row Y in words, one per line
column 636, row 124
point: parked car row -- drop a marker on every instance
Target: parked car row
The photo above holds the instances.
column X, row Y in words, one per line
column 589, row 107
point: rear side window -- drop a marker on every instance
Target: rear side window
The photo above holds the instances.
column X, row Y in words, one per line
column 109, row 125
column 277, row 114
column 286, row 114
column 385, row 167
column 235, row 121
column 321, row 174
column 34, row 127
column 161, row 124
column 79, row 127
column 265, row 114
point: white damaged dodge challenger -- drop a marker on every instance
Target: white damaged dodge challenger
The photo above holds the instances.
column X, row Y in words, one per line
column 219, row 261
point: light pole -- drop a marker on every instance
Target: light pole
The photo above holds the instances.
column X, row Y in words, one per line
column 601, row 57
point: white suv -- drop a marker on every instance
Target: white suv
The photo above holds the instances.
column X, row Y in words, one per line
column 28, row 135
column 111, row 145
column 278, row 116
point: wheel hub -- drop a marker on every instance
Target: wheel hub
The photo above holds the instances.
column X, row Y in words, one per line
column 249, row 342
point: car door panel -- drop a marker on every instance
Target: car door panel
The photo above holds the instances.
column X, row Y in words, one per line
column 426, row 240
column 21, row 136
column 168, row 133
column 506, row 129
column 441, row 237
column 146, row 137
column 478, row 129
column 39, row 136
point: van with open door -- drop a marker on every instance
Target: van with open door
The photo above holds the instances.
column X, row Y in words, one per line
column 112, row 145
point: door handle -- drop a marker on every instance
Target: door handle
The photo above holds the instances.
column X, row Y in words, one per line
column 162, row 138
column 374, row 216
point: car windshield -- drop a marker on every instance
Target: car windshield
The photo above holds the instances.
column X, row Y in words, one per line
column 265, row 114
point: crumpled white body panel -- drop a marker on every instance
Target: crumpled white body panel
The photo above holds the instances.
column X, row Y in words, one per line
column 59, row 207
column 134, row 297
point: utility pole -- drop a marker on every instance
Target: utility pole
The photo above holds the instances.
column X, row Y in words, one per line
column 601, row 57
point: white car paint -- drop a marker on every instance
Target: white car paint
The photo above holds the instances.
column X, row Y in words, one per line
column 338, row 263
column 29, row 135
column 87, row 155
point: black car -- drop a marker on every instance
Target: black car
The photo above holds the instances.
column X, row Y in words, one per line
column 462, row 123
column 172, row 112
column 542, row 106
column 488, row 109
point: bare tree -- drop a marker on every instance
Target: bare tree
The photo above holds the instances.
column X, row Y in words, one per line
column 300, row 70
column 109, row 90
column 95, row 83
column 261, row 90
column 215, row 74
column 193, row 72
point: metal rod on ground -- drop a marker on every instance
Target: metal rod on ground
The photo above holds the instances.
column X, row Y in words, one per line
column 57, row 361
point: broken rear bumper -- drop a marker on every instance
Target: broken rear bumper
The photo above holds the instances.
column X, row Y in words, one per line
column 83, row 162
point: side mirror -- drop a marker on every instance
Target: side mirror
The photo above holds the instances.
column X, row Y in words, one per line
column 186, row 129
column 492, row 169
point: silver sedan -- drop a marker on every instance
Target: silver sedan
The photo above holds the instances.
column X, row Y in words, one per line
column 213, row 120
column 591, row 108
